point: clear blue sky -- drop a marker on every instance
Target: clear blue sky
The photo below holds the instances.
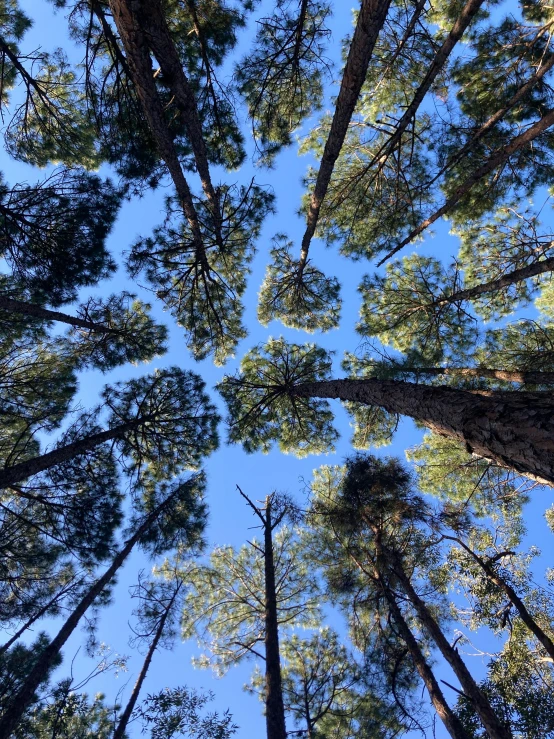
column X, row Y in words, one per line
column 256, row 474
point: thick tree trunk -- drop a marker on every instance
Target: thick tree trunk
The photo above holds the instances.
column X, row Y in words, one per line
column 493, row 726
column 37, row 311
column 511, row 278
column 126, row 14
column 119, row 732
column 450, row 720
column 14, row 712
column 523, row 377
column 274, row 708
column 371, row 18
column 514, row 429
column 23, row 470
column 513, row 597
column 495, row 160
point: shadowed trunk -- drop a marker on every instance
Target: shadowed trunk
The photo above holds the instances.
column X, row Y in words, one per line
column 371, row 18
column 523, row 376
column 514, row 429
column 14, row 712
column 37, row 311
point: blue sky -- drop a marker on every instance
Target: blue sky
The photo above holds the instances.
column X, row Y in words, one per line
column 230, row 519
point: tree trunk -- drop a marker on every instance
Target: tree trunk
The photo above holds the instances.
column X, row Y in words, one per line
column 495, row 160
column 513, row 597
column 464, row 19
column 514, row 429
column 493, row 726
column 511, row 278
column 161, row 43
column 523, row 377
column 274, row 708
column 37, row 311
column 449, row 719
column 371, row 18
column 16, row 709
column 119, row 732
column 139, row 62
column 23, row 470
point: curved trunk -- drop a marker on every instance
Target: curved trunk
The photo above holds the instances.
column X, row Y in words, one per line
column 21, row 471
column 514, row 429
column 498, row 157
column 14, row 712
column 274, row 709
column 371, row 18
column 493, row 726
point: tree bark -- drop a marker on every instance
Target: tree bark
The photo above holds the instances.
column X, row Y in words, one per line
column 371, row 18
column 22, row 470
column 14, row 712
column 37, row 311
column 119, row 732
column 449, row 719
column 274, row 708
column 125, row 14
column 494, row 161
column 163, row 48
column 493, row 726
column 514, row 429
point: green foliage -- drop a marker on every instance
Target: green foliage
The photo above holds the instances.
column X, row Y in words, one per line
column 202, row 285
column 282, row 78
column 406, row 311
column 522, row 345
column 175, row 712
column 225, row 609
column 262, row 408
column 304, row 299
column 54, row 233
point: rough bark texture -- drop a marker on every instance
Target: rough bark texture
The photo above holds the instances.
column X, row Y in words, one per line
column 450, row 720
column 370, row 21
column 523, row 377
column 514, row 429
column 493, row 726
column 274, row 709
column 37, row 311
column 511, row 278
column 18, row 472
column 494, row 161
column 13, row 713
column 126, row 14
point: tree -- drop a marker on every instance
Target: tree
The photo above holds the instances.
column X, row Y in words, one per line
column 276, row 398
column 170, row 515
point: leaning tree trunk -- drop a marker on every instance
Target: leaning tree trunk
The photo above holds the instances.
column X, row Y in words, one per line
column 493, row 726
column 21, row 307
column 514, row 429
column 18, row 472
column 445, row 713
column 274, row 708
column 527, row 377
column 499, row 157
column 371, row 18
column 14, row 712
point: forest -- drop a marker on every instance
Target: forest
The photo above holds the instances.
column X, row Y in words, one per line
column 177, row 475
